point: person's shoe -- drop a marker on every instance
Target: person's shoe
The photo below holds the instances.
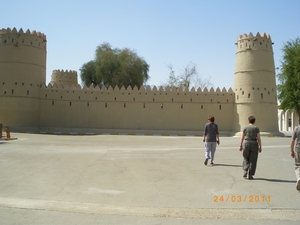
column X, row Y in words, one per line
column 211, row 163
column 245, row 174
column 205, row 162
column 298, row 185
column 250, row 177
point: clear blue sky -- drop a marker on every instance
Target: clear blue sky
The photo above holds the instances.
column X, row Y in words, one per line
column 163, row 32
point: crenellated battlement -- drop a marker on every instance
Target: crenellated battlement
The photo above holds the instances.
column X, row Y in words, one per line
column 66, row 78
column 20, row 38
column 258, row 35
column 65, row 71
column 250, row 42
column 142, row 89
column 145, row 95
column 28, row 32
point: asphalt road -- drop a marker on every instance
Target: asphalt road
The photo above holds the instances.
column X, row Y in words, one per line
column 128, row 179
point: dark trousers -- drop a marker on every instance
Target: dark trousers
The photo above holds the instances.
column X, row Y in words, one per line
column 250, row 154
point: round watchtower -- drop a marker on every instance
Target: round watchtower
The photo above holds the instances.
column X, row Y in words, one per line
column 254, row 83
column 22, row 56
column 22, row 71
column 65, row 78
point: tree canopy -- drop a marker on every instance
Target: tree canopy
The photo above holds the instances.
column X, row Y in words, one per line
column 88, row 74
column 111, row 67
column 289, row 77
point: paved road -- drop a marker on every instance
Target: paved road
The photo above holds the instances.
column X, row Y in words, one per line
column 120, row 179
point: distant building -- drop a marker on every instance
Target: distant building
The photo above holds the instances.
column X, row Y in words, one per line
column 287, row 120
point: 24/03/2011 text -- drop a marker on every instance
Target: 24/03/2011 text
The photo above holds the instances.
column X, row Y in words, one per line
column 239, row 198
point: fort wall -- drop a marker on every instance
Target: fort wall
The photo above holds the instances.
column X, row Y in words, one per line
column 63, row 105
column 154, row 109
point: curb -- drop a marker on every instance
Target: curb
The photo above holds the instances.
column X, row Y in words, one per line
column 99, row 133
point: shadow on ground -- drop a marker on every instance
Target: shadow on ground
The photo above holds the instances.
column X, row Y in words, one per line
column 276, row 180
column 227, row 165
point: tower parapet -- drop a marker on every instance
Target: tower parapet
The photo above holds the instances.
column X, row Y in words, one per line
column 14, row 30
column 65, row 78
column 251, row 42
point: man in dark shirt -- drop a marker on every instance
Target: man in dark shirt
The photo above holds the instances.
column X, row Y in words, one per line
column 251, row 147
column 295, row 153
column 211, row 138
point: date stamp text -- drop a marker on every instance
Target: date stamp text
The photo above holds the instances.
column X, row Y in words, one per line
column 240, row 198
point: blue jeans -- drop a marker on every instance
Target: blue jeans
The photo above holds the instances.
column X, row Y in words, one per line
column 210, row 149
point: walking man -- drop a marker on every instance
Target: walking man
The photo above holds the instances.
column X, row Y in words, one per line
column 251, row 147
column 295, row 153
column 211, row 138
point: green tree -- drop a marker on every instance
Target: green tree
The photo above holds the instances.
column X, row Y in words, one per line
column 289, row 77
column 121, row 67
column 88, row 74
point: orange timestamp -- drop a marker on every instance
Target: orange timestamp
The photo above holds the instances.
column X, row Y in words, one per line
column 239, row 198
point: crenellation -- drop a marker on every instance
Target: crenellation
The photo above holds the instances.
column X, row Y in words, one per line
column 110, row 88
column 97, row 88
column 136, row 96
column 193, row 90
column 205, row 90
column 154, row 89
column 161, row 89
column 148, row 88
column 249, row 42
column 181, row 89
column 20, row 39
column 250, row 36
column 15, row 31
column 135, row 88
